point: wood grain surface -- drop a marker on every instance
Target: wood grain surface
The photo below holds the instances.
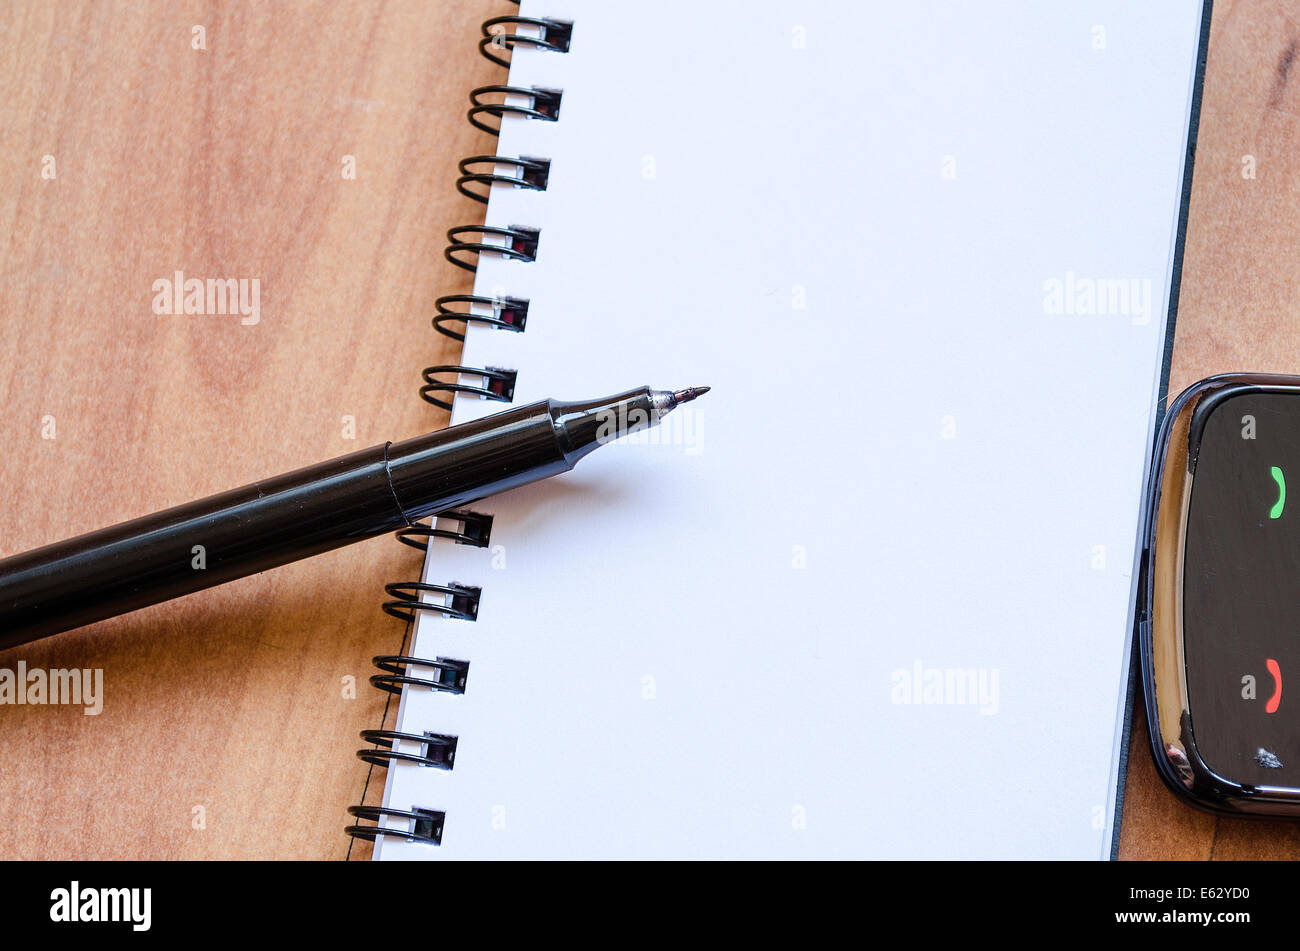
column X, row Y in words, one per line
column 226, row 730
column 228, row 727
column 1237, row 311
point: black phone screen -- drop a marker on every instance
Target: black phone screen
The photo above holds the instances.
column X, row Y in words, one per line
column 1241, row 590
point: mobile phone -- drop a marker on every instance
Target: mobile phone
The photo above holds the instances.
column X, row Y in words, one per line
column 1218, row 610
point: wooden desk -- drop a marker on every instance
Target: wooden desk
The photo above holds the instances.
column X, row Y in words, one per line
column 1239, row 296
column 227, row 729
column 226, row 732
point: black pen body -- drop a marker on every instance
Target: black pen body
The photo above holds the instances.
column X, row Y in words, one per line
column 312, row 510
column 278, row 520
column 270, row 523
column 193, row 546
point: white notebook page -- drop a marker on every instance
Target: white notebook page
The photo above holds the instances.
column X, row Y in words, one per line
column 871, row 595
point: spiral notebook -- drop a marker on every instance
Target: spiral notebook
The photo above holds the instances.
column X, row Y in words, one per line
column 870, row 597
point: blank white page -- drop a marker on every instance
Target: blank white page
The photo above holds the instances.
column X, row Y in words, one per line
column 871, row 596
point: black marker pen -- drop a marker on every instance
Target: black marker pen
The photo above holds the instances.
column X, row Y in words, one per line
column 316, row 509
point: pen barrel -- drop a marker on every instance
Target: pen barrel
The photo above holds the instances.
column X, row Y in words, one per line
column 270, row 523
column 449, row 468
column 194, row 546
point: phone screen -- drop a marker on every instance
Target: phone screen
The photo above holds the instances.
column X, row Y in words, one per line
column 1241, row 590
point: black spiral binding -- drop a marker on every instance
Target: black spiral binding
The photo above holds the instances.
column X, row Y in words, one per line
column 531, row 173
column 498, row 384
column 426, row 824
column 519, row 243
column 552, row 35
column 508, row 313
column 478, row 175
column 542, row 104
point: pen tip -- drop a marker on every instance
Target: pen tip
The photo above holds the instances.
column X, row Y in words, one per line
column 690, row 393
